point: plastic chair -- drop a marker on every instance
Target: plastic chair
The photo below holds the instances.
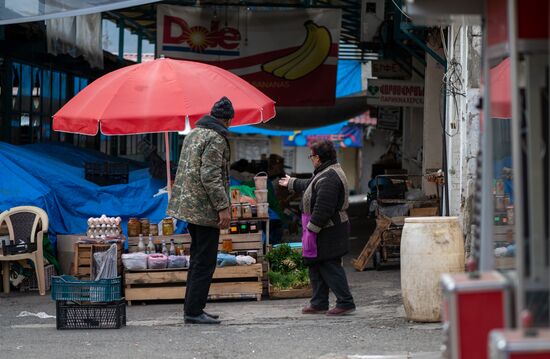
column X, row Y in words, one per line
column 26, row 227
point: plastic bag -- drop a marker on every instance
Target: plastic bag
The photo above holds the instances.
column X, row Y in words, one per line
column 135, row 261
column 157, row 261
column 226, row 260
column 177, row 262
column 398, row 210
column 245, row 260
column 415, row 194
column 105, row 266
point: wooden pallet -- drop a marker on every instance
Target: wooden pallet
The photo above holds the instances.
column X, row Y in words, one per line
column 382, row 224
column 236, row 282
column 83, row 254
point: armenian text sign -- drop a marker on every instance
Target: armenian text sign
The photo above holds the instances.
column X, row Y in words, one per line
column 395, row 93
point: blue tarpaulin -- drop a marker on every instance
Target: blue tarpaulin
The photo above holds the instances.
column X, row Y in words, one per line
column 51, row 176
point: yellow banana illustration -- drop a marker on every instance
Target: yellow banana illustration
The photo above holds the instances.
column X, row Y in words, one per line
column 302, row 52
column 311, row 54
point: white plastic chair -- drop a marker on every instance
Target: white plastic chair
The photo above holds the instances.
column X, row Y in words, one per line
column 25, row 224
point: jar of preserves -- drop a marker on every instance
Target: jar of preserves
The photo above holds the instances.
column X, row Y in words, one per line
column 154, row 229
column 246, row 210
column 234, row 227
column 236, row 211
column 227, row 245
column 144, row 226
column 253, row 227
column 134, row 227
column 167, row 226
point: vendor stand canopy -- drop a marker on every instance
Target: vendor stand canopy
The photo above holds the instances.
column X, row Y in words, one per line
column 163, row 95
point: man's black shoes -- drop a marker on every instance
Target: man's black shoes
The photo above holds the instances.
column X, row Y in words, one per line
column 215, row 316
column 200, row 319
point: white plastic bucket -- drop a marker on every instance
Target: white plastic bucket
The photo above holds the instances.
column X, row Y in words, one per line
column 260, row 180
column 261, row 195
column 262, row 210
column 430, row 246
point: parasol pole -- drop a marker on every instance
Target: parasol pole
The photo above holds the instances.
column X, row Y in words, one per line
column 168, row 177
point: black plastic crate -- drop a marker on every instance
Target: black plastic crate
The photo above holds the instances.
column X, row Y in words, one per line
column 70, row 315
column 106, row 173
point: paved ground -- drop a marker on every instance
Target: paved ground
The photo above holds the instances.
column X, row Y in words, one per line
column 266, row 329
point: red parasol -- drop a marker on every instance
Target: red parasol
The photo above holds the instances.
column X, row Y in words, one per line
column 159, row 96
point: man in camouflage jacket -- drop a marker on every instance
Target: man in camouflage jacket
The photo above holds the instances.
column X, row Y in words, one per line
column 200, row 196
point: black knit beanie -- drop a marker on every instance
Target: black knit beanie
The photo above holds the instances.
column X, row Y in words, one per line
column 223, row 109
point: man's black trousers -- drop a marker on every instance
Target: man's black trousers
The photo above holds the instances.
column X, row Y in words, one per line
column 204, row 252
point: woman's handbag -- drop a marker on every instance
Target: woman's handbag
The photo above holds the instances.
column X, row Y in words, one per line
column 309, row 239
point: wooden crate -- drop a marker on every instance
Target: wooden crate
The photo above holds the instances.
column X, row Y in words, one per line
column 235, row 282
column 241, row 242
column 83, row 254
column 275, row 293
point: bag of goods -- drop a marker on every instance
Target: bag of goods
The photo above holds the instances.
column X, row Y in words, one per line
column 134, row 261
column 245, row 260
column 226, row 260
column 177, row 262
column 157, row 261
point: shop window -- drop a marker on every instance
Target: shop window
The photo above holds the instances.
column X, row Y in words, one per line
column 252, row 149
column 110, row 36
column 130, row 45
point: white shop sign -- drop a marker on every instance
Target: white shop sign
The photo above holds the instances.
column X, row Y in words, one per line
column 395, row 93
column 389, row 69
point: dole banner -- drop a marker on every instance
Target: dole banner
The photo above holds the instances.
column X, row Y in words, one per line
column 291, row 55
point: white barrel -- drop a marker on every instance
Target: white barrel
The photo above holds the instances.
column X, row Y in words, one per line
column 430, row 246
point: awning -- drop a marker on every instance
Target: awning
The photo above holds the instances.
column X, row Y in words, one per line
column 343, row 134
column 501, row 91
column 18, row 11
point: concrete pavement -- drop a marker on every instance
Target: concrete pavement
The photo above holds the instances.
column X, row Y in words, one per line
column 249, row 329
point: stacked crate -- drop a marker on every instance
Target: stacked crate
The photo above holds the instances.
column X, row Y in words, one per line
column 84, row 254
column 86, row 304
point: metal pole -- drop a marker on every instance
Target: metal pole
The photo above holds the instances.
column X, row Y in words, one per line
column 139, row 47
column 167, row 155
column 517, row 161
column 486, row 255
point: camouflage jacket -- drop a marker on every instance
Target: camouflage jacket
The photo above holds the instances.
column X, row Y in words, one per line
column 201, row 187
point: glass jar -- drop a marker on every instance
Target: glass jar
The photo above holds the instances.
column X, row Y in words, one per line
column 246, row 210
column 154, row 229
column 167, row 226
column 234, row 227
column 236, row 211
column 227, row 245
column 144, row 226
column 134, row 227
column 243, row 227
column 253, row 227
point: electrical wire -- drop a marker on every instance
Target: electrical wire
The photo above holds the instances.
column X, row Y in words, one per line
column 401, row 10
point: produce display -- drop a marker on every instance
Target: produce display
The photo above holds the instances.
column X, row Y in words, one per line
column 286, row 268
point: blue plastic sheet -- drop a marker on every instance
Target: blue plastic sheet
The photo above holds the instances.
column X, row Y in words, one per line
column 51, row 176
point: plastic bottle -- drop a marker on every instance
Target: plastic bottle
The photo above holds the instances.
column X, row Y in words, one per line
column 141, row 244
column 150, row 245
column 172, row 247
column 164, row 249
